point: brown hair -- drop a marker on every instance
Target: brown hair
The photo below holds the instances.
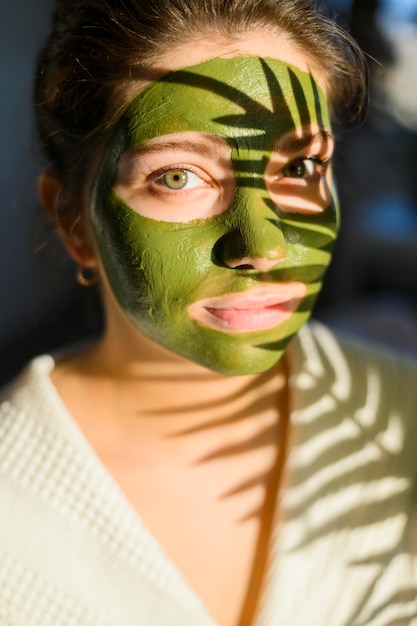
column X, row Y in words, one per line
column 98, row 50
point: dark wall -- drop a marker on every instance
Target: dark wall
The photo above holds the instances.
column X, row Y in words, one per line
column 40, row 302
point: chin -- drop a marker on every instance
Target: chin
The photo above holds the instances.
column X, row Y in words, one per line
column 241, row 362
column 237, row 355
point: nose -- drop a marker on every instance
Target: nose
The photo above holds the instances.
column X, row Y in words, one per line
column 255, row 239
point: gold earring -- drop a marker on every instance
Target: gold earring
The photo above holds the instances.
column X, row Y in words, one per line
column 87, row 276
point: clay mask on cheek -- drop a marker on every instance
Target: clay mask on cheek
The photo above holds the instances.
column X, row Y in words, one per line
column 177, row 274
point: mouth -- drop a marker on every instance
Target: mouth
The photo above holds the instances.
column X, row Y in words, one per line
column 255, row 310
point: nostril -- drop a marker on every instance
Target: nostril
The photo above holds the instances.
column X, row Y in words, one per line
column 262, row 264
column 243, row 266
column 237, row 250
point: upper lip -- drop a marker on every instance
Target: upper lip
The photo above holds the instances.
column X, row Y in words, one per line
column 256, row 298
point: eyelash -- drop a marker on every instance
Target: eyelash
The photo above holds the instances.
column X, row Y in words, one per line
column 169, row 168
column 324, row 162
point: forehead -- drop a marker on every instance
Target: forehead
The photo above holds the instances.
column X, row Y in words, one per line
column 240, row 98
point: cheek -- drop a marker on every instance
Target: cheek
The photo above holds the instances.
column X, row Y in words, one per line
column 156, row 262
column 159, row 266
column 310, row 240
column 307, row 200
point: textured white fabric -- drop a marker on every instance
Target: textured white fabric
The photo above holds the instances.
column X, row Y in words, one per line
column 74, row 553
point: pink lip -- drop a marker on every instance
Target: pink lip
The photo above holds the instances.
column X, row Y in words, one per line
column 261, row 308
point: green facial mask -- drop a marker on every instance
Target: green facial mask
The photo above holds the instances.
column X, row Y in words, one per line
column 159, row 269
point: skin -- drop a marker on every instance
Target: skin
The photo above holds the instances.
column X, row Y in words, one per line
column 256, row 216
column 211, row 446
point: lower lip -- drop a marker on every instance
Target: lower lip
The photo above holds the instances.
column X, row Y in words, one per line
column 241, row 320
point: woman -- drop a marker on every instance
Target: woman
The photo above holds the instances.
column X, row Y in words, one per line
column 192, row 467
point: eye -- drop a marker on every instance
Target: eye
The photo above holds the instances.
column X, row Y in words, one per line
column 178, row 179
column 301, row 168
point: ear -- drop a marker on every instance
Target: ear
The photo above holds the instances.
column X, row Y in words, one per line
column 69, row 225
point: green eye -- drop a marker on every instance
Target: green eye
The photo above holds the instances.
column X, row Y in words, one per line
column 176, row 179
column 302, row 168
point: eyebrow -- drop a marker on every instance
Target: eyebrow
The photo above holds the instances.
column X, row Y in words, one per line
column 287, row 145
column 210, row 149
column 291, row 144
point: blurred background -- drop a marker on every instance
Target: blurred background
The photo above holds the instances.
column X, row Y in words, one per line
column 371, row 288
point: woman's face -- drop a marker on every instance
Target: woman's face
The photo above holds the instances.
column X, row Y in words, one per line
column 214, row 211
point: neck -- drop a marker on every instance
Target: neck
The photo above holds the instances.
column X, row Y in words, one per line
column 141, row 390
column 143, row 380
column 166, row 382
